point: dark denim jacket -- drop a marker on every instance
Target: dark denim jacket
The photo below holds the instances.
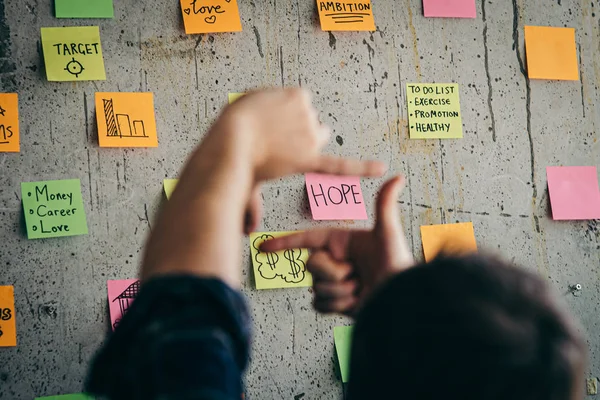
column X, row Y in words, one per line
column 183, row 338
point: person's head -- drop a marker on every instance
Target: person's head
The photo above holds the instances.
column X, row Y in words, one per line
column 466, row 328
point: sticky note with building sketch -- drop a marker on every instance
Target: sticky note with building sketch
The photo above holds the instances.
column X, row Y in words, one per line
column 434, row 111
column 282, row 269
column 8, row 325
column 169, row 185
column 73, row 53
column 84, row 8
column 75, row 396
column 9, row 123
column 551, row 53
column 346, row 15
column 449, row 8
column 126, row 119
column 53, row 208
column 451, row 239
column 121, row 294
column 333, row 197
column 342, row 336
column 210, row 16
column 574, row 192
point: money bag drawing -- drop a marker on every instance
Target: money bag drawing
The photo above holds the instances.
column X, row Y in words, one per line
column 290, row 267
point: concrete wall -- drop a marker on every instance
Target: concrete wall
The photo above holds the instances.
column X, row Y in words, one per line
column 495, row 176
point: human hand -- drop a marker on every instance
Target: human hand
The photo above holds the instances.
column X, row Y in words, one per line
column 347, row 265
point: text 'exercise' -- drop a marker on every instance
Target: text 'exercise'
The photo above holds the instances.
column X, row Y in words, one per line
column 346, row 15
column 335, row 197
column 9, row 123
column 434, row 111
column 8, row 325
column 121, row 294
column 84, row 8
column 574, row 193
column 210, row 16
column 450, row 239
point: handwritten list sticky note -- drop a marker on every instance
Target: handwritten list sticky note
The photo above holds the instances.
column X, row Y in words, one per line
column 449, row 8
column 9, row 122
column 551, row 53
column 121, row 294
column 8, row 325
column 346, row 15
column 335, row 197
column 452, row 239
column 342, row 336
column 126, row 119
column 84, row 8
column 234, row 96
column 53, row 208
column 73, row 54
column 169, row 185
column 283, row 269
column 434, row 111
column 77, row 396
column 210, row 16
column 574, row 193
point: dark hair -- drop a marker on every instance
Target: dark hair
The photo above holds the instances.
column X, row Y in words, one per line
column 466, row 328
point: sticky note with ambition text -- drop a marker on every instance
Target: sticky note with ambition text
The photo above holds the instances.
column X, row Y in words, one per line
column 551, row 53
column 333, row 197
column 346, row 15
column 8, row 326
column 451, row 239
column 574, row 193
column 449, row 8
column 73, row 54
column 210, row 16
column 84, row 8
column 342, row 336
column 53, row 208
column 121, row 294
column 9, row 123
column 434, row 111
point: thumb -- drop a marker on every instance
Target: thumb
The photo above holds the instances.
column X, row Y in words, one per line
column 388, row 217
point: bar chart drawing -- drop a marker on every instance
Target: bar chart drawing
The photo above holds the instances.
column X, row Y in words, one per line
column 120, row 125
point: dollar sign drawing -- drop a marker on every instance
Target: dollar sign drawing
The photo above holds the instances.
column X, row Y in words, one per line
column 272, row 260
column 296, row 265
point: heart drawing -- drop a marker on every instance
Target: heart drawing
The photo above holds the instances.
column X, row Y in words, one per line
column 211, row 19
column 187, row 11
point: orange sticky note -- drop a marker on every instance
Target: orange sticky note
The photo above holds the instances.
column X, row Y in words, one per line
column 9, row 122
column 453, row 239
column 8, row 325
column 346, row 15
column 551, row 53
column 126, row 120
column 210, row 16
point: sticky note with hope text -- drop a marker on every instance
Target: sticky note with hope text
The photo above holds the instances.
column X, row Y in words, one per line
column 53, row 208
column 551, row 53
column 73, row 54
column 453, row 239
column 342, row 336
column 9, row 123
column 434, row 111
column 210, row 16
column 335, row 197
column 76, row 396
column 121, row 294
column 574, row 193
column 126, row 120
column 234, row 96
column 346, row 15
column 8, row 325
column 282, row 269
column 449, row 8
column 84, row 8
column 169, row 185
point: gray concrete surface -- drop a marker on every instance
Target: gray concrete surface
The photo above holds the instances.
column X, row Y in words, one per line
column 495, row 176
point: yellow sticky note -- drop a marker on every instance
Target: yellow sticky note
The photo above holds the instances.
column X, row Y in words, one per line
column 169, row 185
column 210, row 16
column 126, row 120
column 234, row 96
column 346, row 15
column 551, row 53
column 8, row 325
column 453, row 239
column 434, row 111
column 73, row 54
column 9, row 122
column 283, row 269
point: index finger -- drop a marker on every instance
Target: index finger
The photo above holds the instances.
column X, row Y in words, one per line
column 345, row 166
column 317, row 239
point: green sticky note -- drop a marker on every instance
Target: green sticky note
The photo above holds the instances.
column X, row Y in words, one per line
column 84, row 8
column 342, row 336
column 434, row 111
column 73, row 54
column 53, row 208
column 169, row 185
column 78, row 396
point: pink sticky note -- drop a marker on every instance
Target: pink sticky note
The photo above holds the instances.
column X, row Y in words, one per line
column 335, row 197
column 574, row 193
column 121, row 294
column 450, row 8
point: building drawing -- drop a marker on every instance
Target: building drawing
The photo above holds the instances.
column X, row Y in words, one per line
column 125, row 299
column 119, row 125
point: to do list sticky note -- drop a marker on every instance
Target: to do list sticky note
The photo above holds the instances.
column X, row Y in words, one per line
column 454, row 239
column 434, row 111
column 8, row 326
column 574, row 193
column 449, row 8
column 73, row 54
column 346, row 15
column 121, row 294
column 53, row 208
column 335, row 197
column 84, row 8
column 9, row 122
column 342, row 336
column 210, row 16
column 551, row 53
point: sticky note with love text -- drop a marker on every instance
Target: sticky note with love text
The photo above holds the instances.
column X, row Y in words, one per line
column 9, row 123
column 210, row 16
column 8, row 325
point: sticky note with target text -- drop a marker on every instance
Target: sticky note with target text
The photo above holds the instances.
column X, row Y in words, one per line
column 334, row 197
column 210, row 16
column 9, row 122
column 574, row 193
column 8, row 325
column 342, row 336
column 84, row 8
column 551, row 53
column 449, row 8
column 346, row 15
column 121, row 294
column 452, row 239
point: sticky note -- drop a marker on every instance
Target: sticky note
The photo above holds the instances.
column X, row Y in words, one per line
column 434, row 111
column 574, row 193
column 121, row 294
column 210, row 16
column 453, row 239
column 234, row 96
column 551, row 53
column 283, row 269
column 449, row 8
column 346, row 15
column 53, row 208
column 8, row 325
column 342, row 336
column 335, row 197
column 9, row 122
column 126, row 119
column 73, row 54
column 78, row 396
column 169, row 185
column 84, row 8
